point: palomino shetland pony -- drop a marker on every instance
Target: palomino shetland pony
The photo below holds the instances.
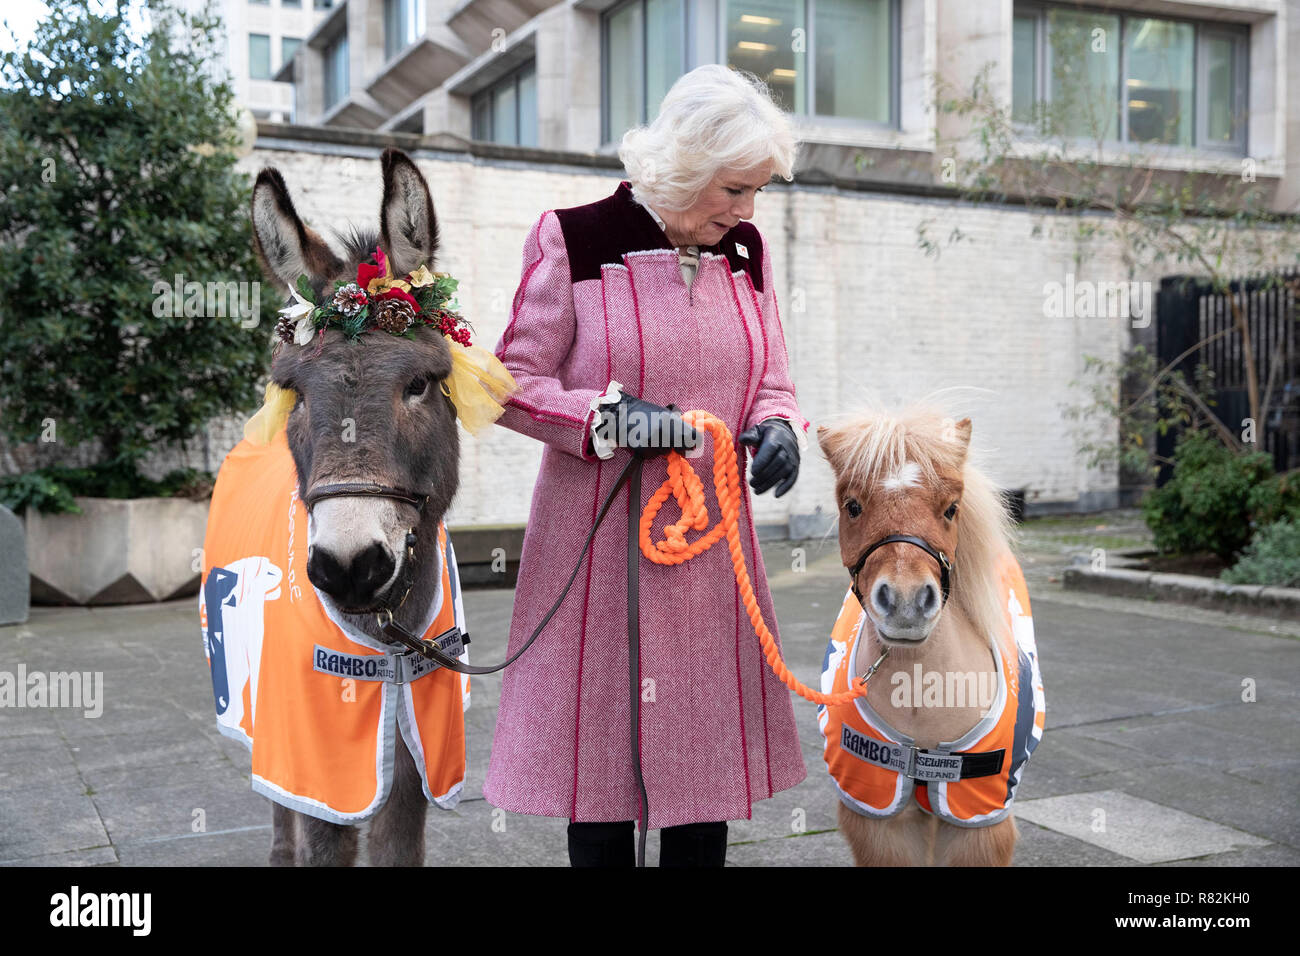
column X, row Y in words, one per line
column 927, row 764
column 371, row 422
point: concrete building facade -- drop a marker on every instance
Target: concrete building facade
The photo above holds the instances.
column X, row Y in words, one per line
column 260, row 37
column 575, row 74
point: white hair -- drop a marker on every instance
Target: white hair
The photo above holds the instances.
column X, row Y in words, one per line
column 714, row 118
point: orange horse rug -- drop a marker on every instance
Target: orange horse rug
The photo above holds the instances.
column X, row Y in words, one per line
column 319, row 703
column 969, row 782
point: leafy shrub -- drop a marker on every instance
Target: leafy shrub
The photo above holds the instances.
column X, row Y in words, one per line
column 1272, row 557
column 36, row 490
column 1275, row 499
column 52, row 489
column 1212, row 498
column 117, row 174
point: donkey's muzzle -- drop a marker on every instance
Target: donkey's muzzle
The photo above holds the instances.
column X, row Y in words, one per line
column 354, row 582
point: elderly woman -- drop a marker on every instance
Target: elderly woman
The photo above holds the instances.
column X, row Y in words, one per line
column 660, row 294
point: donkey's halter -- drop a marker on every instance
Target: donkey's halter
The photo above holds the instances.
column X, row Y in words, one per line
column 357, row 489
column 945, row 564
column 351, row 489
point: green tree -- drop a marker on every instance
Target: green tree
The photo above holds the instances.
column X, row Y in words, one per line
column 117, row 174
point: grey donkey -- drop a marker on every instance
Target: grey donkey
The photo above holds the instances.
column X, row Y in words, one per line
column 403, row 434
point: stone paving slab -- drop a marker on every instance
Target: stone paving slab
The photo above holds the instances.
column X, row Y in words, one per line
column 49, row 820
column 1259, row 809
column 1191, row 737
column 1272, row 855
column 1041, row 846
column 244, row 848
column 136, row 814
column 37, row 762
column 1130, row 826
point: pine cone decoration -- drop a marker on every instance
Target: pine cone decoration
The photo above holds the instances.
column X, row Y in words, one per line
column 284, row 329
column 392, row 315
column 350, row 300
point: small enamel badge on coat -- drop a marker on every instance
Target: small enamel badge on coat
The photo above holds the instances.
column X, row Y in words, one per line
column 742, row 251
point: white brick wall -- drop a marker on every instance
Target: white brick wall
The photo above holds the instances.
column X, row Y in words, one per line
column 879, row 318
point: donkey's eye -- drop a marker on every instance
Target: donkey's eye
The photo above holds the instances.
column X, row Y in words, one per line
column 951, row 512
column 417, row 387
column 853, row 508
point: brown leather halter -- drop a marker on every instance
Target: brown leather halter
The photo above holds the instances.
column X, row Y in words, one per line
column 359, row 489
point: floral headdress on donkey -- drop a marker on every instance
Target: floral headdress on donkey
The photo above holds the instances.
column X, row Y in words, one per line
column 478, row 384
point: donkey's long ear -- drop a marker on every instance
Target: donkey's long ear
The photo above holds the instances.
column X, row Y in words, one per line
column 408, row 227
column 286, row 247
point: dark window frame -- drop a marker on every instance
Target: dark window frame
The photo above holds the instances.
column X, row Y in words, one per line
column 283, row 58
column 269, row 71
column 416, row 9
column 488, row 95
column 1202, row 28
column 339, row 95
column 643, row 93
column 807, row 109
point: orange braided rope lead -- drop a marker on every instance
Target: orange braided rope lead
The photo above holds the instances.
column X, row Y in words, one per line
column 683, row 484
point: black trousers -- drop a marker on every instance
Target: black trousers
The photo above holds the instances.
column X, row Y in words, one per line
column 614, row 844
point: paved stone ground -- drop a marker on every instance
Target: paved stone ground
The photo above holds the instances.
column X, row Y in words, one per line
column 1150, row 757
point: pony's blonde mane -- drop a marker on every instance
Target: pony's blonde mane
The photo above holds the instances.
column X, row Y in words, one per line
column 874, row 444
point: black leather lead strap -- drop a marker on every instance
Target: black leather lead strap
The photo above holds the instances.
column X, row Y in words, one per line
column 396, row 632
column 634, row 652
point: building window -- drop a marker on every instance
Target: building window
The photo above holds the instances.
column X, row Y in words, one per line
column 403, row 25
column 259, row 56
column 323, row 4
column 295, row 4
column 288, row 47
column 846, row 64
column 336, row 71
column 643, row 52
column 506, row 112
column 1129, row 78
column 260, row 3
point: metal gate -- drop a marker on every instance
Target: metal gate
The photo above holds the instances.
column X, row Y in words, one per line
column 1189, row 313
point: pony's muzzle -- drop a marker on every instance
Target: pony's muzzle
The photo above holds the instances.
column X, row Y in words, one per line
column 902, row 613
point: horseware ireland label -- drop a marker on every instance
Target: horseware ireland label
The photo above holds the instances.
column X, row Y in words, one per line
column 924, row 766
column 936, row 767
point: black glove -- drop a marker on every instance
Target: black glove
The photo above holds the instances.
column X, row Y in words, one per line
column 776, row 461
column 647, row 429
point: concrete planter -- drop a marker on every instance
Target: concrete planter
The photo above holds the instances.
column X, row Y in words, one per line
column 117, row 551
column 14, row 587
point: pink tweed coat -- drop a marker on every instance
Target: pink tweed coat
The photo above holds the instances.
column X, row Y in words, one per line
column 601, row 299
